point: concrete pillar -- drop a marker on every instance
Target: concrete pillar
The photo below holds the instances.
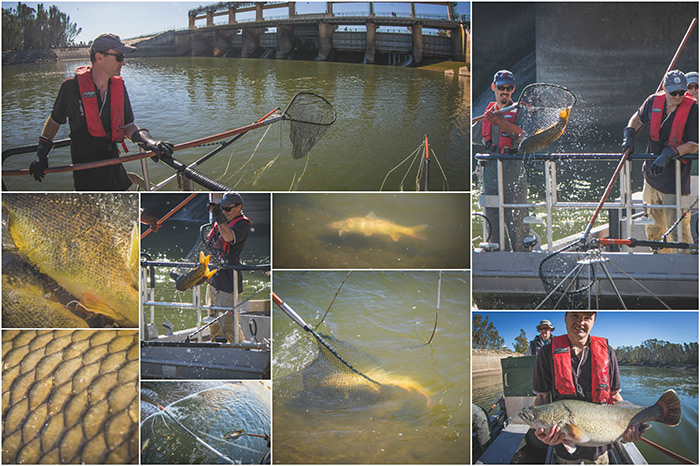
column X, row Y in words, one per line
column 329, row 8
column 292, row 9
column 232, row 15
column 258, row 11
column 251, row 41
column 459, row 38
column 210, row 18
column 371, row 41
column 371, row 9
column 325, row 40
column 417, row 32
column 192, row 18
column 222, row 42
column 285, row 40
column 413, row 10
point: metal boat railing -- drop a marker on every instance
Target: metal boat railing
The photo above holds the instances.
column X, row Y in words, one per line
column 551, row 201
column 197, row 304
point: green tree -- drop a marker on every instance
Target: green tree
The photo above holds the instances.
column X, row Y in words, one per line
column 484, row 333
column 521, row 342
column 24, row 28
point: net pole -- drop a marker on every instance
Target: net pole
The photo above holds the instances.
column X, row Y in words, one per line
column 170, row 214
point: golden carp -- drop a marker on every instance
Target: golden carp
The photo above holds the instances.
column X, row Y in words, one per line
column 194, row 277
column 87, row 243
column 371, row 225
column 545, row 137
column 70, row 396
column 590, row 424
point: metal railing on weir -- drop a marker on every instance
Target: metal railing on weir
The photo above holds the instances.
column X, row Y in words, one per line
column 148, row 293
column 551, row 202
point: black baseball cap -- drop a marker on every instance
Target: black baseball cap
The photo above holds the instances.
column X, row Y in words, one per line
column 104, row 42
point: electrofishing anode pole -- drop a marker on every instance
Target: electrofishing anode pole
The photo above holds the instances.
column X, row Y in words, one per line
column 427, row 163
column 170, row 214
column 629, row 149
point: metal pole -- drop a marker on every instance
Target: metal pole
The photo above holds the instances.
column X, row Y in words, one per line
column 501, row 211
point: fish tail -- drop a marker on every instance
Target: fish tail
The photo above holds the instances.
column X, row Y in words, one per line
column 667, row 410
column 416, row 231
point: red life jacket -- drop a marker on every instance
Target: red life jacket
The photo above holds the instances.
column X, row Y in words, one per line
column 220, row 243
column 657, row 111
column 505, row 143
column 88, row 95
column 600, row 374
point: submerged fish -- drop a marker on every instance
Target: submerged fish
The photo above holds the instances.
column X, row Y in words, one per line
column 371, row 225
column 70, row 396
column 233, row 435
column 194, row 277
column 590, row 424
column 545, row 137
column 87, row 243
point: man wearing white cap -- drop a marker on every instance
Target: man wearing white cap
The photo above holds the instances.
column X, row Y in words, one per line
column 97, row 107
column 673, row 132
column 545, row 337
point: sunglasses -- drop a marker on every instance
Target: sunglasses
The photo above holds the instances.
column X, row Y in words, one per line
column 117, row 56
column 228, row 209
column 677, row 93
column 692, row 86
column 506, row 88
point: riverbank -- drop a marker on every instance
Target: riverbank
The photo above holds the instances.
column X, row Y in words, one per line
column 39, row 56
column 485, row 362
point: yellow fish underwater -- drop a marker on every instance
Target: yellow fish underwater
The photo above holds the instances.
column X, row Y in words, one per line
column 373, row 225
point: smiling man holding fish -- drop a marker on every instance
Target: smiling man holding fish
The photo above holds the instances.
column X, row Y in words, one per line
column 578, row 366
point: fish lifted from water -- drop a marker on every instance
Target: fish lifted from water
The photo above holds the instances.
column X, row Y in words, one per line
column 545, row 137
column 373, row 225
column 87, row 243
column 591, row 425
column 194, row 277
column 70, row 396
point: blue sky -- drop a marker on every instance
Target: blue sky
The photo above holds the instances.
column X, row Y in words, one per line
column 620, row 328
column 133, row 19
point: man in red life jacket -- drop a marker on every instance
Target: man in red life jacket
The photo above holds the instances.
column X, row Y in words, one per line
column 673, row 132
column 583, row 367
column 229, row 234
column 500, row 135
column 98, row 109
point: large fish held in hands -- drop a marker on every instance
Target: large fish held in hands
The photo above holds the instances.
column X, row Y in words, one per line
column 194, row 277
column 70, row 396
column 373, row 225
column 87, row 243
column 591, row 425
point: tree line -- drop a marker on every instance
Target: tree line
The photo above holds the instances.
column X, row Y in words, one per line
column 24, row 28
column 656, row 352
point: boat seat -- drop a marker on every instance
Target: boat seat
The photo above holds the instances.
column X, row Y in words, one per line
column 504, row 446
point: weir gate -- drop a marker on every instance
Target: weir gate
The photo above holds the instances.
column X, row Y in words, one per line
column 393, row 38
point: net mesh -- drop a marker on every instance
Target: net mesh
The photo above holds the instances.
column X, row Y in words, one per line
column 208, row 247
column 310, row 116
column 543, row 113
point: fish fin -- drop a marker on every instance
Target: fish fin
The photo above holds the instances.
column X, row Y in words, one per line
column 394, row 236
column 201, row 257
column 569, row 446
column 415, row 231
column 133, row 263
column 209, row 273
column 372, row 215
column 670, row 406
column 577, row 434
column 174, row 275
column 341, row 231
column 95, row 305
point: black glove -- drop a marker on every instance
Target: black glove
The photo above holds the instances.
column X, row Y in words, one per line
column 628, row 139
column 41, row 162
column 218, row 214
column 161, row 148
column 662, row 160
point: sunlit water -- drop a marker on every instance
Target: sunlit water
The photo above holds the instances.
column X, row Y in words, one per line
column 305, row 238
column 378, row 323
column 642, row 386
column 174, row 240
column 383, row 114
column 210, row 410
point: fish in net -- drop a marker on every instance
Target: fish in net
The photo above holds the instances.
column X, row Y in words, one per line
column 543, row 113
column 309, row 116
column 206, row 248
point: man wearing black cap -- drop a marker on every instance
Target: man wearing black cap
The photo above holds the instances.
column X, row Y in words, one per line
column 228, row 234
column 500, row 135
column 98, row 109
column 673, row 132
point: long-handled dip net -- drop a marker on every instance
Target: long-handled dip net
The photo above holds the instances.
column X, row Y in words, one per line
column 543, row 112
column 309, row 116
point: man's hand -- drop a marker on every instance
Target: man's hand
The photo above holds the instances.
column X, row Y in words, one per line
column 628, row 139
column 554, row 437
column 662, row 160
column 496, row 119
column 634, row 432
column 217, row 213
column 162, row 149
column 41, row 162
